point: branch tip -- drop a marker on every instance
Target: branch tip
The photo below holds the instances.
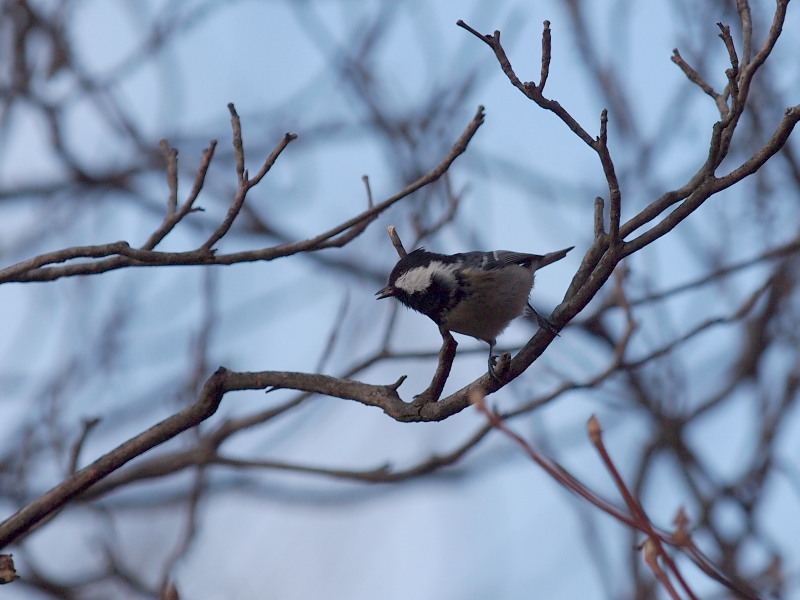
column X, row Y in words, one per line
column 682, row 522
column 396, row 242
column 604, row 126
column 595, row 431
column 599, row 220
column 546, row 55
column 398, row 383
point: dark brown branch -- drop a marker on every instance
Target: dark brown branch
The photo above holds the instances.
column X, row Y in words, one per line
column 14, row 272
column 122, row 255
column 446, row 356
column 546, row 55
column 727, row 39
column 743, row 8
column 381, row 474
column 16, row 526
column 775, row 29
column 174, row 217
column 599, row 218
column 529, row 89
column 615, row 211
column 244, row 183
column 710, row 186
column 270, row 160
column 206, row 451
column 742, row 312
column 778, row 252
column 698, row 80
column 238, row 145
column 534, row 93
column 778, row 140
column 732, row 89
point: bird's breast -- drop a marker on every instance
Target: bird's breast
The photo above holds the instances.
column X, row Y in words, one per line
column 491, row 301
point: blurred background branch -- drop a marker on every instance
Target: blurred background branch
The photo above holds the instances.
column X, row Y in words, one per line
column 689, row 357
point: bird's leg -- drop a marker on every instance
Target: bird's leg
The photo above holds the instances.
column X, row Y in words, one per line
column 543, row 322
column 493, row 362
column 446, row 356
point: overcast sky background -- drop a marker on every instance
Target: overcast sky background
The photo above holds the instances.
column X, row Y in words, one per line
column 494, row 526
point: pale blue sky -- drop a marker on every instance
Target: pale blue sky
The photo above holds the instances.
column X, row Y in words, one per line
column 494, row 526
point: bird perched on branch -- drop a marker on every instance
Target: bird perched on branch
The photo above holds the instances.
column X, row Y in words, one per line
column 474, row 293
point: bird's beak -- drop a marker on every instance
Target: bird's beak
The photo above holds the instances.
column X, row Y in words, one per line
column 385, row 292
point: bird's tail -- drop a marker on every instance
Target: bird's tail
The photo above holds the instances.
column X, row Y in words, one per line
column 552, row 257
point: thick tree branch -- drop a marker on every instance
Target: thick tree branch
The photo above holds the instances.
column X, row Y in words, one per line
column 24, row 520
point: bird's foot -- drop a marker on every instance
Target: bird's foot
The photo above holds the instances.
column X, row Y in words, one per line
column 543, row 322
column 497, row 370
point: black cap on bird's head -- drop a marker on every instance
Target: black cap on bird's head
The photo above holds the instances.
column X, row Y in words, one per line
column 400, row 282
column 424, row 281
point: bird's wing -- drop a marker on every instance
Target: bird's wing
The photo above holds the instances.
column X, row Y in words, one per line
column 497, row 259
column 503, row 258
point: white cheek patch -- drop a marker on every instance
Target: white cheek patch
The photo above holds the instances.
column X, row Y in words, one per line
column 419, row 279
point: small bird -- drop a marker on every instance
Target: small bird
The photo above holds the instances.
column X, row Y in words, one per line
column 474, row 293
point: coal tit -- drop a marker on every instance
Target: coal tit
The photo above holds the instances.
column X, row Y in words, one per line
column 474, row 293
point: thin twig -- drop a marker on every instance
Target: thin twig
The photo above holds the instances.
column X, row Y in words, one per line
column 122, row 255
column 244, row 183
column 370, row 201
column 743, row 8
column 171, row 160
column 546, row 55
column 238, row 145
column 563, row 477
column 698, row 80
column 17, row 525
column 635, row 508
column 615, row 210
column 174, row 217
column 75, row 452
column 599, row 218
column 398, row 245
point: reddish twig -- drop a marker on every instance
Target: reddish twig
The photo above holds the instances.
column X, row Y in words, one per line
column 653, row 545
column 636, row 519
